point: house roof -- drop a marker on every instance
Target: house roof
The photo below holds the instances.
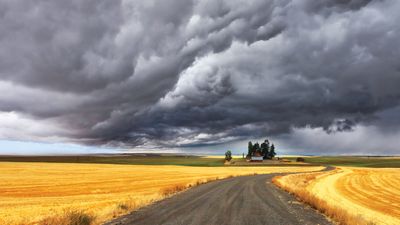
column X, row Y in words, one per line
column 257, row 154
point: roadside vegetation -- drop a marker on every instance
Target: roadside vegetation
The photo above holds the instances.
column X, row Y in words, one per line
column 69, row 218
column 52, row 193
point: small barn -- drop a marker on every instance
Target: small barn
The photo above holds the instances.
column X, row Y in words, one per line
column 256, row 157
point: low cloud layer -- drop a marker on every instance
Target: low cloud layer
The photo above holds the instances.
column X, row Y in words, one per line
column 179, row 73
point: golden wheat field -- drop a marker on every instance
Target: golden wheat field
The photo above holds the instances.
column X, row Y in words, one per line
column 30, row 193
column 350, row 195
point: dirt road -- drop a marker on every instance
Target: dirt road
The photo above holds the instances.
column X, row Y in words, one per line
column 248, row 200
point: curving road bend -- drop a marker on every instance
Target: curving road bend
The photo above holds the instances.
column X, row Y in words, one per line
column 247, row 200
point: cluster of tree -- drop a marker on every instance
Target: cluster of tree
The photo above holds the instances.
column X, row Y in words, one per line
column 265, row 149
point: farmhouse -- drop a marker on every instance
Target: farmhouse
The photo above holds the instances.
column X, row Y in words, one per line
column 256, row 157
column 257, row 152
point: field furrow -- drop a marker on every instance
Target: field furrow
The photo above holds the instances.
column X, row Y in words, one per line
column 350, row 195
column 370, row 189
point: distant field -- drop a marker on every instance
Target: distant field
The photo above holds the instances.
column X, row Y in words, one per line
column 243, row 162
column 355, row 161
column 149, row 159
column 32, row 193
column 134, row 159
column 350, row 195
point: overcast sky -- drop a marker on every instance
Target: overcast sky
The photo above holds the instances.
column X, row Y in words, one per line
column 315, row 77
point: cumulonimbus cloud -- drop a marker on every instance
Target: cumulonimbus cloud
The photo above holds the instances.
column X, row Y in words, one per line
column 185, row 73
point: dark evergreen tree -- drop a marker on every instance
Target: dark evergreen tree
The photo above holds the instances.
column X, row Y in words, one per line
column 256, row 148
column 265, row 149
column 249, row 149
column 272, row 152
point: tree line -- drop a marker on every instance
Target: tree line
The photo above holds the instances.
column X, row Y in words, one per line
column 266, row 150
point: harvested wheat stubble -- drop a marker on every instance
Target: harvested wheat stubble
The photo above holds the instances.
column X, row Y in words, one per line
column 32, row 192
column 350, row 195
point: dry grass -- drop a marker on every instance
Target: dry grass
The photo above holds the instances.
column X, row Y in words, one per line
column 167, row 191
column 349, row 195
column 38, row 192
column 69, row 218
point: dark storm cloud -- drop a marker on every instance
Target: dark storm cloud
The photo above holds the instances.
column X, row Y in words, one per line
column 187, row 73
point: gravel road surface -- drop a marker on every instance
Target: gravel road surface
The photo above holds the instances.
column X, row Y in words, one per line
column 247, row 200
